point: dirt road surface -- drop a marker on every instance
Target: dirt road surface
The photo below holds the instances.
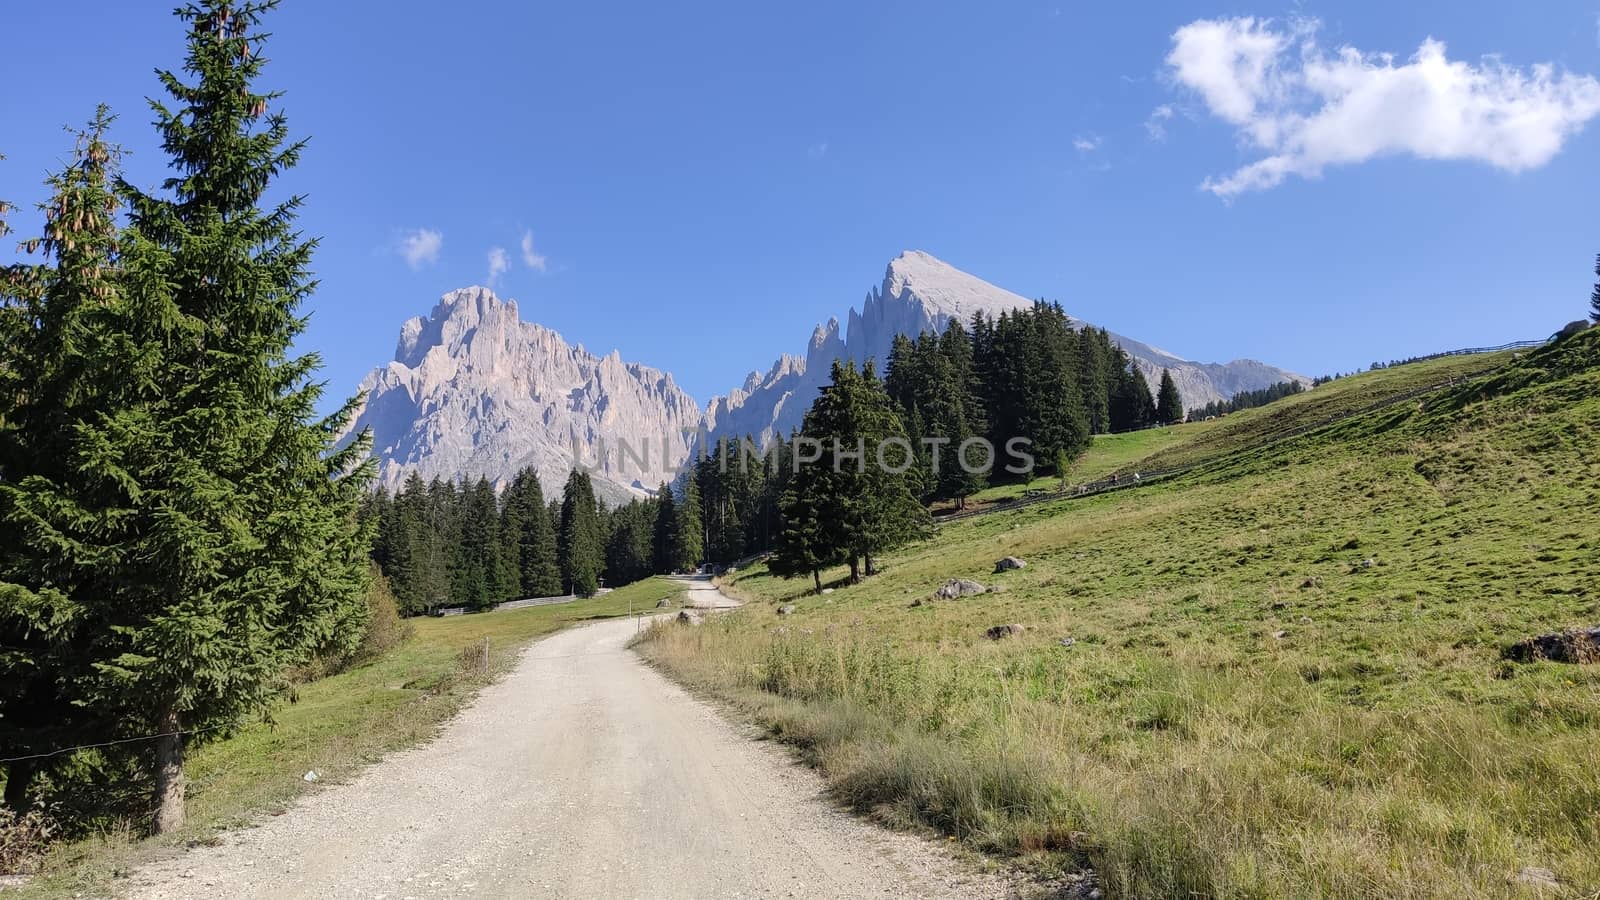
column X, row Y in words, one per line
column 582, row 774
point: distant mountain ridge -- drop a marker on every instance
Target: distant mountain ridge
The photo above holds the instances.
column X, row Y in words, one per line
column 920, row 293
column 474, row 390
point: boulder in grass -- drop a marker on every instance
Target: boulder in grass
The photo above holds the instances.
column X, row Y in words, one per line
column 959, row 587
column 1580, row 645
column 1009, row 564
column 663, row 603
column 1536, row 877
column 1001, row 632
column 786, row 610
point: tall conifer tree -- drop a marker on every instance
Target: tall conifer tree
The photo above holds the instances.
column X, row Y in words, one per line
column 663, row 536
column 59, row 332
column 540, row 574
column 477, row 571
column 688, row 534
column 1169, row 404
column 580, row 543
column 216, row 543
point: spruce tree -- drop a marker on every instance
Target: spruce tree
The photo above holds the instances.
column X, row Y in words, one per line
column 405, row 549
column 509, row 531
column 688, row 533
column 844, row 506
column 663, row 536
column 440, row 538
column 802, row 545
column 889, row 515
column 477, row 568
column 214, row 522
column 1094, row 379
column 580, row 543
column 1169, row 405
column 537, row 566
column 629, row 552
column 60, row 329
column 1144, row 399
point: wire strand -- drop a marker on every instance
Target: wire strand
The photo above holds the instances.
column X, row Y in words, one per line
column 132, row 740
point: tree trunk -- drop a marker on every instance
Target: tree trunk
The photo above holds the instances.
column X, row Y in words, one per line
column 872, row 568
column 816, row 575
column 855, row 570
column 19, row 777
column 169, row 774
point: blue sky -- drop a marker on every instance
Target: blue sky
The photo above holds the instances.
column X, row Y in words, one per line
column 703, row 182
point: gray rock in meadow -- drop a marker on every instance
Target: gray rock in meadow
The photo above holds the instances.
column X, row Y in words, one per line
column 959, row 587
column 1536, row 877
column 663, row 603
column 786, row 610
column 1001, row 632
column 1580, row 645
column 1009, row 564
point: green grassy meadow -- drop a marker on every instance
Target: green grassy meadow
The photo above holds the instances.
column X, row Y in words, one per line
column 334, row 727
column 1279, row 675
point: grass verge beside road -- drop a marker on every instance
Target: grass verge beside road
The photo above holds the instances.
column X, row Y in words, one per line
column 1277, row 676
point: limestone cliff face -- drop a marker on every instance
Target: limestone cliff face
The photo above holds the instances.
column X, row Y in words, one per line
column 473, row 390
column 921, row 293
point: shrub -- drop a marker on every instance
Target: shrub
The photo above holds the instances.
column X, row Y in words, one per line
column 385, row 629
column 24, row 837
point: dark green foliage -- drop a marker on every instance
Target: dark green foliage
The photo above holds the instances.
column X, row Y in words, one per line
column 850, row 504
column 664, row 533
column 539, row 574
column 477, row 583
column 441, row 545
column 930, row 381
column 1169, row 405
column 1030, row 376
column 803, row 545
column 580, row 541
column 1247, row 400
column 56, row 320
column 688, row 537
column 630, row 546
column 198, row 536
column 1132, row 405
column 736, row 512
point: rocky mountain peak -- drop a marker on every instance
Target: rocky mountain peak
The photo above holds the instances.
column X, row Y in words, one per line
column 474, row 390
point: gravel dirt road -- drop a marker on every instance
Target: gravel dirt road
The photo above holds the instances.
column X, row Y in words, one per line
column 582, row 774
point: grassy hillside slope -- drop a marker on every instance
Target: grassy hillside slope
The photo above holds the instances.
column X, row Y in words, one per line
column 1276, row 676
column 337, row 725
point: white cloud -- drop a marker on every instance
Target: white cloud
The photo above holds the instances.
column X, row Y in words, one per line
column 1156, row 124
column 499, row 262
column 421, row 247
column 1086, row 143
column 1308, row 109
column 530, row 257
column 818, row 150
